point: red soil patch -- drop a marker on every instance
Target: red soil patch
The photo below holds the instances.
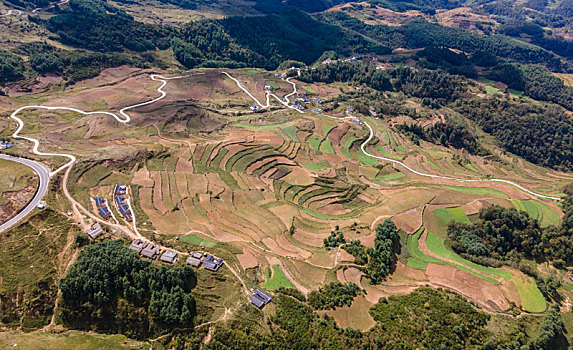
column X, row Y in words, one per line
column 336, row 134
column 485, row 294
column 142, row 178
column 474, row 207
column 247, row 260
column 409, row 221
column 184, row 166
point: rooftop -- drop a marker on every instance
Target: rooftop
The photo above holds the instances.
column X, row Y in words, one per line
column 169, row 256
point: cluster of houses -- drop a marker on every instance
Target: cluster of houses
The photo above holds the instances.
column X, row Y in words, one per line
column 260, row 298
column 5, row 145
column 119, row 197
column 210, row 262
column 152, row 251
column 102, row 208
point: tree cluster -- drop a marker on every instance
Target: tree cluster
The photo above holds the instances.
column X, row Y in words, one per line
column 333, row 295
column 508, row 234
column 111, row 289
column 382, row 258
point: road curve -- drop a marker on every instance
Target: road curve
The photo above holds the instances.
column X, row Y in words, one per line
column 44, row 180
column 124, row 119
column 371, row 136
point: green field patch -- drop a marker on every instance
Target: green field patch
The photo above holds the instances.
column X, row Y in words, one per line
column 272, row 84
column 386, row 154
column 491, row 90
column 326, row 146
column 437, row 246
column 456, row 214
column 477, row 191
column 471, row 167
column 251, row 71
column 485, row 80
column 420, row 261
column 291, row 132
column 431, row 162
column 67, row 340
column 393, row 177
column 313, row 166
column 314, row 142
column 277, row 280
column 531, row 298
column 310, row 90
column 515, row 93
column 537, row 210
column 198, row 241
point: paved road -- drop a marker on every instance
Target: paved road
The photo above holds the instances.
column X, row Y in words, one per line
column 363, row 146
column 43, row 175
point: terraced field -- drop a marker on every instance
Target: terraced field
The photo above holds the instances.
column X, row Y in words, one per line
column 266, row 188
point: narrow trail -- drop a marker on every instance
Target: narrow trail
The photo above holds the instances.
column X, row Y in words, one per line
column 371, row 136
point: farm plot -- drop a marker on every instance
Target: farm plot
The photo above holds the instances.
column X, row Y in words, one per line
column 276, row 278
column 537, row 210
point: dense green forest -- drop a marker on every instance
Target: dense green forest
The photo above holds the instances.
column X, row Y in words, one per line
column 11, row 67
column 542, row 134
column 507, row 234
column 111, row 289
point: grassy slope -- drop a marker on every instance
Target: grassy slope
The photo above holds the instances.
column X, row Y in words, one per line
column 545, row 215
column 277, row 280
column 72, row 340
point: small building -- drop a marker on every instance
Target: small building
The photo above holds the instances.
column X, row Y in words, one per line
column 352, row 61
column 571, row 277
column 104, row 212
column 120, row 189
column 212, row 263
column 194, row 259
column 5, row 145
column 317, row 100
column 255, row 108
column 317, row 110
column 151, row 251
column 327, row 61
column 356, row 57
column 278, row 75
column 260, row 298
column 304, row 99
column 257, row 301
column 169, row 256
column 374, row 58
column 297, row 106
column 41, row 205
column 268, row 88
column 138, row 245
column 357, row 121
column 94, row 231
column 100, row 202
column 350, row 110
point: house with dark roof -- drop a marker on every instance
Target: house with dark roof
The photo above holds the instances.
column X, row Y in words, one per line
column 169, row 257
column 138, row 245
column 212, row 263
column 151, row 251
column 195, row 259
column 99, row 201
column 260, row 298
column 255, row 108
column 257, row 301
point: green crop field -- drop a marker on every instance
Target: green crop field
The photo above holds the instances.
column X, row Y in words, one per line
column 198, row 241
column 251, row 71
column 456, row 214
column 277, row 280
column 291, row 132
column 419, row 260
column 477, row 191
column 540, row 211
column 437, row 245
column 531, row 298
